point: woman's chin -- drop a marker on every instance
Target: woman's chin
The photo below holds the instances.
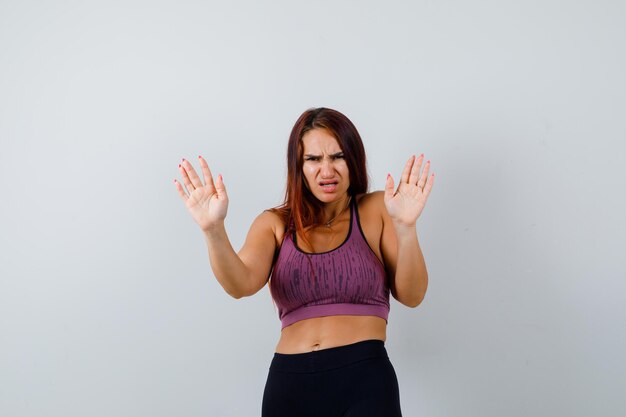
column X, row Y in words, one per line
column 330, row 197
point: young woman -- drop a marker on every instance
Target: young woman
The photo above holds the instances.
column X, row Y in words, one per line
column 332, row 253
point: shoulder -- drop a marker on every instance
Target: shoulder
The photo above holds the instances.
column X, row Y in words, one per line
column 373, row 201
column 371, row 207
column 269, row 220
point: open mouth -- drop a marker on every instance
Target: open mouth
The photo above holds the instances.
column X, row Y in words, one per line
column 328, row 186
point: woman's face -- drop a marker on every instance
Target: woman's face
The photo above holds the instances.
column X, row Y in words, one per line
column 324, row 167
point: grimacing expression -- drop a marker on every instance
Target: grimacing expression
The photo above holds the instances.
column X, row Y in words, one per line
column 324, row 167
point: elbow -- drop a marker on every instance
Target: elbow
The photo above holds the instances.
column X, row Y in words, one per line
column 410, row 301
column 415, row 301
column 235, row 293
column 237, row 290
column 419, row 297
column 238, row 293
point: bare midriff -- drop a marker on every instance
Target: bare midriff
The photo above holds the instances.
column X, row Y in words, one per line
column 331, row 331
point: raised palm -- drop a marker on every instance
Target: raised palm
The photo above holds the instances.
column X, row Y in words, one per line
column 406, row 203
column 208, row 202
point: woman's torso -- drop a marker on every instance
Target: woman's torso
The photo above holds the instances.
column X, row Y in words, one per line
column 331, row 331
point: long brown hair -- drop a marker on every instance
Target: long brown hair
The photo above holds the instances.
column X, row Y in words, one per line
column 301, row 208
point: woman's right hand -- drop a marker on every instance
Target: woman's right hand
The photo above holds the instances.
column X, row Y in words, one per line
column 207, row 203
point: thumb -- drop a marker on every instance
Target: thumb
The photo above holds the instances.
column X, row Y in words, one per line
column 389, row 187
column 220, row 188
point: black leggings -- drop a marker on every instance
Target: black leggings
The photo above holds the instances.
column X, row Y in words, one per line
column 354, row 380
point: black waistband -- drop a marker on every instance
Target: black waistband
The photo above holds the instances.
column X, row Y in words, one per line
column 331, row 358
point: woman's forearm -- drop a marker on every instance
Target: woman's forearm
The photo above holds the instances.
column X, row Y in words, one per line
column 411, row 276
column 228, row 268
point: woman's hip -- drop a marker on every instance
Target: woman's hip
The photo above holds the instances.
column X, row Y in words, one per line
column 351, row 380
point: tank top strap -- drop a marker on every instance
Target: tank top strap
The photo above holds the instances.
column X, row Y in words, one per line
column 357, row 230
column 355, row 213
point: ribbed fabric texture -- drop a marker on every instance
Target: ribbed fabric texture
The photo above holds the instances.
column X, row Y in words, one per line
column 349, row 279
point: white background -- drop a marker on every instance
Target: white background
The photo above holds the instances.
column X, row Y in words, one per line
column 108, row 306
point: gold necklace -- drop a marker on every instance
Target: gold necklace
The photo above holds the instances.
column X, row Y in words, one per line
column 329, row 223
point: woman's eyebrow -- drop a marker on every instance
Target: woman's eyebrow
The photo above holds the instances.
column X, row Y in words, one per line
column 309, row 155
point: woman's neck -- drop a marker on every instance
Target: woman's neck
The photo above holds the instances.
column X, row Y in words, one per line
column 332, row 211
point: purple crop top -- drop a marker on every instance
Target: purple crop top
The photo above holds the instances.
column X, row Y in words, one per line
column 349, row 279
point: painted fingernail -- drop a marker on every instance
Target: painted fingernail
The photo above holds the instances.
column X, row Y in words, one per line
column 199, row 157
column 183, row 159
column 179, row 165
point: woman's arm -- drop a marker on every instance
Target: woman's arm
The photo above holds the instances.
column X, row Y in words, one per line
column 399, row 244
column 245, row 273
column 240, row 274
column 404, row 261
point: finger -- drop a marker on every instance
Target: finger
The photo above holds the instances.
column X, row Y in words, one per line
column 181, row 192
column 220, row 188
column 389, row 193
column 415, row 171
column 193, row 176
column 429, row 185
column 188, row 185
column 407, row 170
column 424, row 176
column 206, row 172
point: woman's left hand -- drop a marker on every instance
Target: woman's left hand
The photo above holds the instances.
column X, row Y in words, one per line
column 406, row 203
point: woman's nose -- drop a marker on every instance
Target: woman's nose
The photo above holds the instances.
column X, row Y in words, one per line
column 327, row 169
